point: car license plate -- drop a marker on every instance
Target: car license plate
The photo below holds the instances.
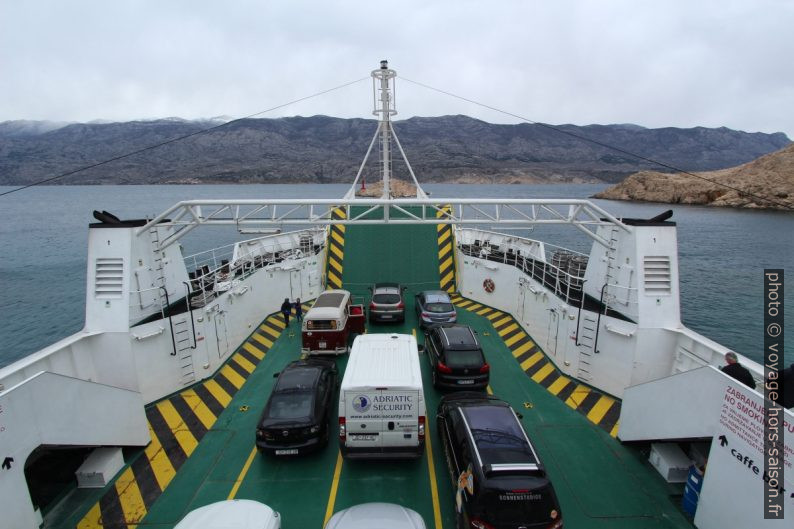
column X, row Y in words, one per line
column 289, row 452
column 321, row 345
column 386, row 316
column 465, row 382
column 365, row 437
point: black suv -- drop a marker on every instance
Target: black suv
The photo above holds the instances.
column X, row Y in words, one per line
column 456, row 358
column 297, row 416
column 502, row 482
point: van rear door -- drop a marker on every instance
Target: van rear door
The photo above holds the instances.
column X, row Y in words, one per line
column 383, row 418
column 399, row 411
column 362, row 422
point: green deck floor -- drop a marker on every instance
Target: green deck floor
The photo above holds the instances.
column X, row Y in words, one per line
column 600, row 482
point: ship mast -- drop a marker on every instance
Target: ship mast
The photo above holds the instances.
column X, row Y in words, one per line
column 384, row 78
column 384, row 106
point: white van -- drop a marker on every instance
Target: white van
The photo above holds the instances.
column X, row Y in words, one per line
column 381, row 403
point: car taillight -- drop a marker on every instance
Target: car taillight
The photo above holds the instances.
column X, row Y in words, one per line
column 476, row 523
column 425, row 314
column 556, row 524
column 421, row 427
column 401, row 305
column 444, row 368
column 342, row 429
column 372, row 305
column 485, row 368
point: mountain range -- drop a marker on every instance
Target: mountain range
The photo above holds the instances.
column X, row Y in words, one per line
column 325, row 149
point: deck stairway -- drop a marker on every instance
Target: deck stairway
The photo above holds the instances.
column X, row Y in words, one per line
column 650, row 414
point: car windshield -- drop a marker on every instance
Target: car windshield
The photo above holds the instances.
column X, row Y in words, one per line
column 291, row 405
column 297, row 379
column 472, row 358
column 386, row 299
column 439, row 307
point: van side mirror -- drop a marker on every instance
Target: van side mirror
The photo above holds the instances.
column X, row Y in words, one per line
column 520, row 416
column 276, row 374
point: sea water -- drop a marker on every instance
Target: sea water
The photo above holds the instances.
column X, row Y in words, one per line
column 44, row 232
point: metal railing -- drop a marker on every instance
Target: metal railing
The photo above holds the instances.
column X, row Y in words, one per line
column 276, row 213
column 567, row 286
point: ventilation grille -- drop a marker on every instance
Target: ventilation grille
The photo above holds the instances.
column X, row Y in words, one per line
column 657, row 275
column 109, row 277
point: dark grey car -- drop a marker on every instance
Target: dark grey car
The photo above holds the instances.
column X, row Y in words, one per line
column 434, row 306
column 387, row 303
column 456, row 358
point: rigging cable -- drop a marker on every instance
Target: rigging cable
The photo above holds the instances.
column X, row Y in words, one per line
column 786, row 205
column 180, row 138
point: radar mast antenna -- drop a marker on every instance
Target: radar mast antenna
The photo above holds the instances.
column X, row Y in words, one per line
column 384, row 106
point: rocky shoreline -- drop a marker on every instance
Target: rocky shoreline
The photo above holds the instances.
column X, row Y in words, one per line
column 765, row 183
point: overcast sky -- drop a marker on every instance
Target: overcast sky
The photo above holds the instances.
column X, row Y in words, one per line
column 669, row 63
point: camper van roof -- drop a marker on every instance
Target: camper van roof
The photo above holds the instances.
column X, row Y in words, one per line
column 330, row 299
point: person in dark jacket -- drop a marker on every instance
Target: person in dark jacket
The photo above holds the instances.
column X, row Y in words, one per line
column 736, row 370
column 286, row 308
column 298, row 310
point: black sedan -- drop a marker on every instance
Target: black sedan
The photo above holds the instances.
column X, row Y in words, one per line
column 297, row 416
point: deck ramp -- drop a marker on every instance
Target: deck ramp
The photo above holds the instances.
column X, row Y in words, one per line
column 383, row 252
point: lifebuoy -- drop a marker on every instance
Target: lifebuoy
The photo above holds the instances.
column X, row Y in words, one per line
column 488, row 285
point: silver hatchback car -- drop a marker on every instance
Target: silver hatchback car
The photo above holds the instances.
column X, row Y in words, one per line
column 387, row 303
column 434, row 306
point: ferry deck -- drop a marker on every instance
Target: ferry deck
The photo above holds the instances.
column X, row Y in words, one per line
column 203, row 451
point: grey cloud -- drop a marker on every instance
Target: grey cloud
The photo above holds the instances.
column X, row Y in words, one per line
column 676, row 63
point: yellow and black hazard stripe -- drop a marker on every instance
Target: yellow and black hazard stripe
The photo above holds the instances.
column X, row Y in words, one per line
column 446, row 251
column 336, row 250
column 599, row 408
column 177, row 424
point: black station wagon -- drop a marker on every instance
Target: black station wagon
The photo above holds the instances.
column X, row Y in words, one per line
column 297, row 416
column 495, row 470
column 456, row 358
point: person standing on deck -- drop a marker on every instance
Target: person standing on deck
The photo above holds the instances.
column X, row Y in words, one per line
column 298, row 310
column 736, row 370
column 286, row 308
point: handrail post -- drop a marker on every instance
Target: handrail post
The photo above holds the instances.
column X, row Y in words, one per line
column 190, row 311
column 170, row 323
column 598, row 322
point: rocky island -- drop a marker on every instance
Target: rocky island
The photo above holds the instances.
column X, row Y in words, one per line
column 769, row 177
